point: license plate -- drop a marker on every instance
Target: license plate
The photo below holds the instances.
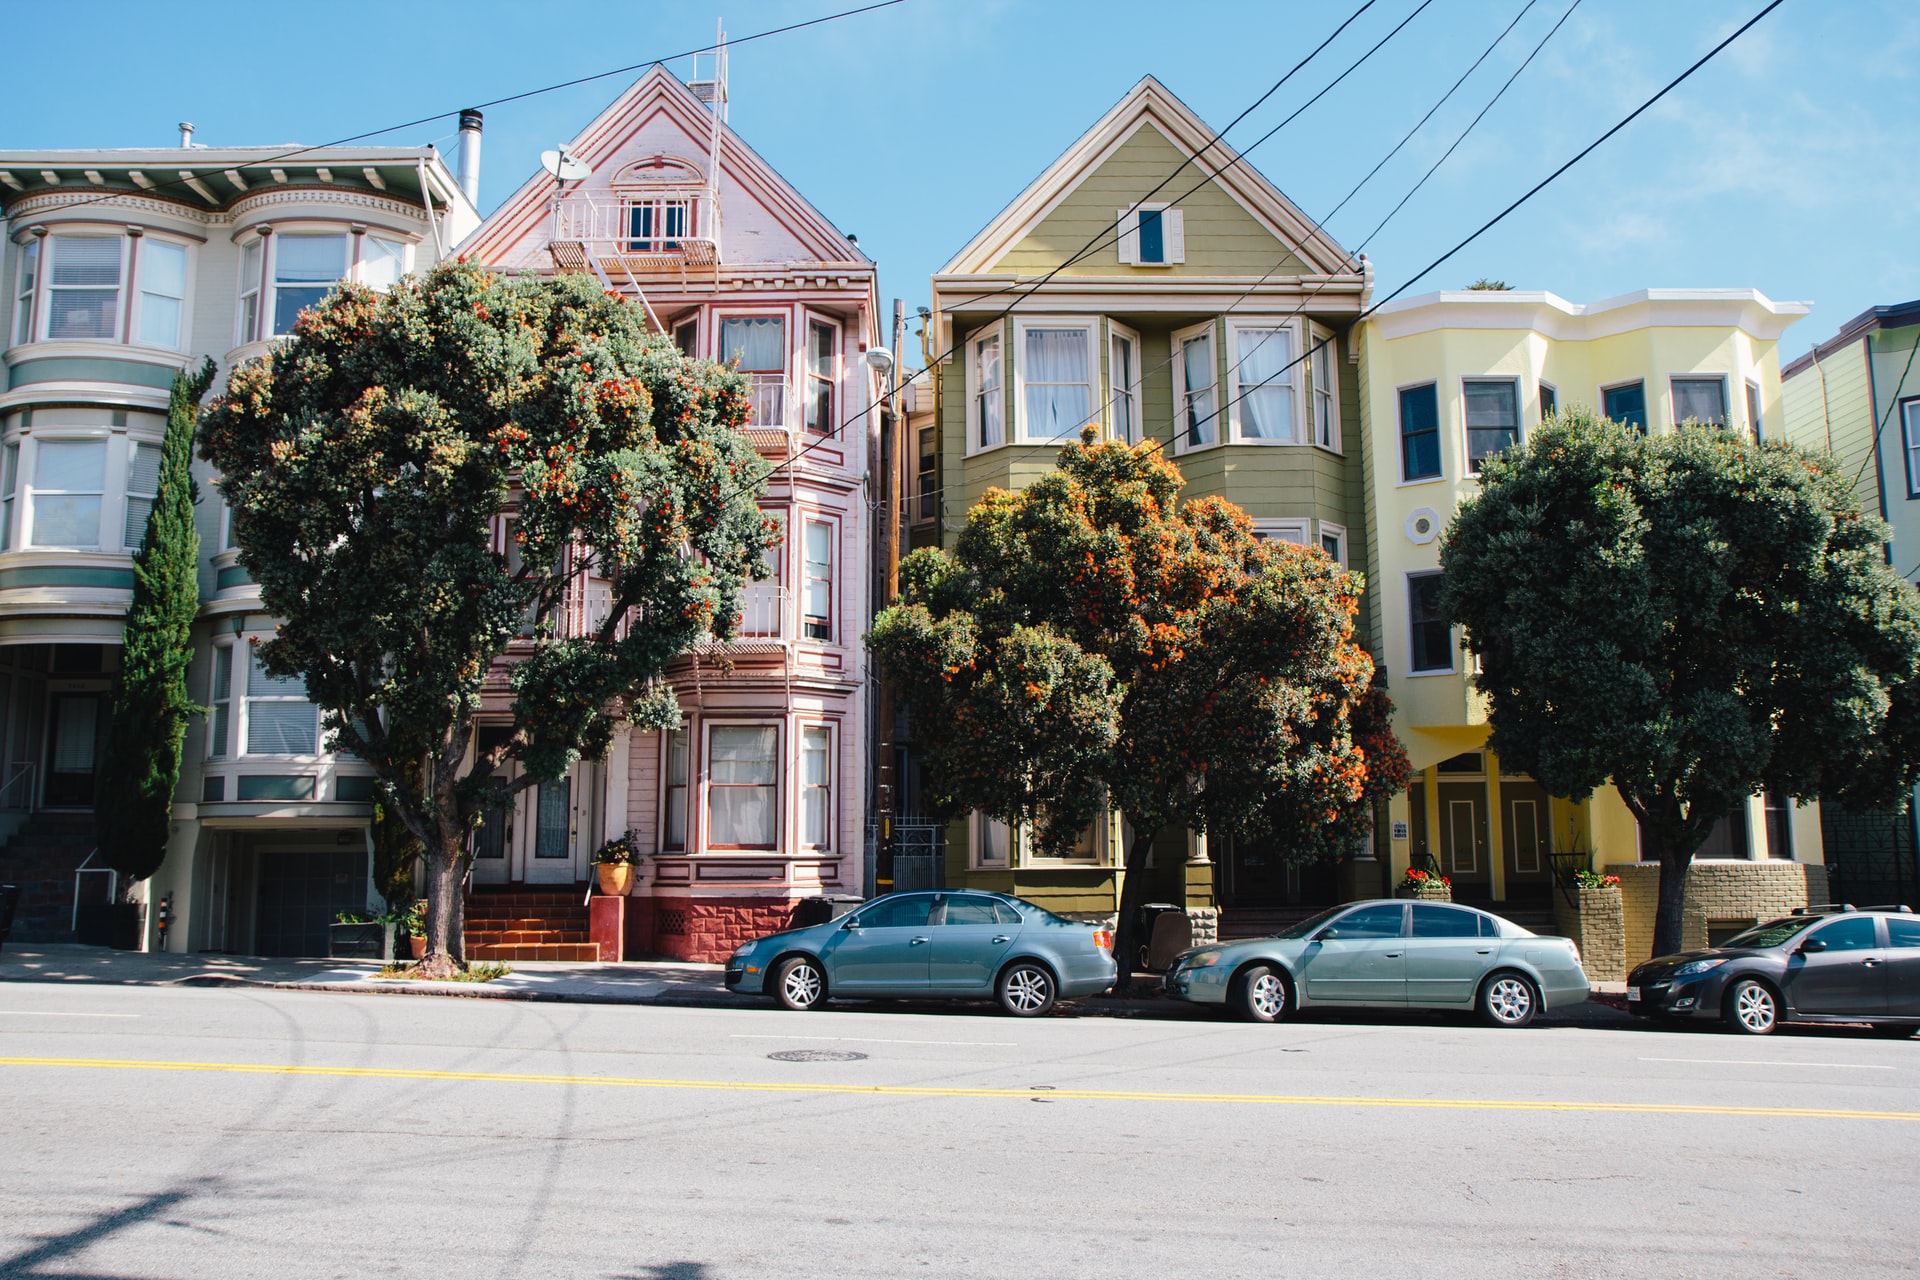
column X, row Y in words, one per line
column 1633, row 994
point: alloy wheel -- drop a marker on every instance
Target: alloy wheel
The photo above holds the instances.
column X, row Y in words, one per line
column 1510, row 1001
column 1754, row 1009
column 801, row 985
column 1028, row 991
column 1267, row 996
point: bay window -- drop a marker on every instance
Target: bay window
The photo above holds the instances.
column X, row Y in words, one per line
column 9, row 480
column 83, row 287
column 759, row 345
column 742, row 766
column 163, row 292
column 991, row 842
column 1123, row 378
column 1493, row 418
column 673, row 826
column 69, row 482
column 816, row 580
column 816, row 787
column 1700, row 400
column 1626, row 405
column 280, row 720
column 1430, row 636
column 27, row 272
column 1056, row 379
column 250, row 278
column 1419, row 433
column 1193, row 390
column 986, row 398
column 1263, row 403
column 220, row 703
column 143, row 485
column 382, row 262
column 822, row 341
column 1326, row 403
column 1753, row 411
column 306, row 266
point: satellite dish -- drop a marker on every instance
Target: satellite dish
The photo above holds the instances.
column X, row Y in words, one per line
column 563, row 166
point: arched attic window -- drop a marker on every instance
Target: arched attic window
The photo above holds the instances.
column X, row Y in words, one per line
column 661, row 198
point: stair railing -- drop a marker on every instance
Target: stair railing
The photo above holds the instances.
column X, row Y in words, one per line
column 113, row 884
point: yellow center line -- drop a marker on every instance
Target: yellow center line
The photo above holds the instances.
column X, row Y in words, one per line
column 942, row 1091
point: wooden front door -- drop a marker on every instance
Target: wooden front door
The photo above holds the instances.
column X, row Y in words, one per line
column 72, row 749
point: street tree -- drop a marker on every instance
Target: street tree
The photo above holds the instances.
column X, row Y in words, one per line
column 421, row 483
column 149, row 707
column 1092, row 643
column 1691, row 617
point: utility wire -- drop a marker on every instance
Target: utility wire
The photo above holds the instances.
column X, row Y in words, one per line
column 481, row 106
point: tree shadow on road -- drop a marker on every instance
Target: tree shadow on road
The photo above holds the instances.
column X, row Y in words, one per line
column 673, row 1271
column 50, row 1249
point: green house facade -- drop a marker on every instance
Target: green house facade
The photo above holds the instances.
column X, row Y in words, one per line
column 1152, row 284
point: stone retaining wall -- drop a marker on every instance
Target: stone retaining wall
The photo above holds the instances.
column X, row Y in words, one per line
column 1720, row 895
column 1596, row 921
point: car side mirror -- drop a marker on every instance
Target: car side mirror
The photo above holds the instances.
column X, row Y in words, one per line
column 1326, row 935
column 1812, row 945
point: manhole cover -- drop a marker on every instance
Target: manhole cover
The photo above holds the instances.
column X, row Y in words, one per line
column 816, row 1055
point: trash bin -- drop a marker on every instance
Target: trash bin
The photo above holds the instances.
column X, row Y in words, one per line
column 9, row 900
column 818, row 910
column 1148, row 914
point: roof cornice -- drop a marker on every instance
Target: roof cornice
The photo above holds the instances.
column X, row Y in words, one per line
column 1900, row 315
column 1554, row 317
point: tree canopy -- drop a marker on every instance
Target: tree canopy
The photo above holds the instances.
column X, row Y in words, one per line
column 422, row 483
column 1690, row 616
column 1091, row 641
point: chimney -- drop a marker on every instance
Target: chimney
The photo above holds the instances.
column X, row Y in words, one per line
column 186, row 134
column 470, row 154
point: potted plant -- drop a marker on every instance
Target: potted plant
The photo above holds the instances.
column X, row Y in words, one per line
column 415, row 923
column 1425, row 886
column 613, row 863
column 356, row 936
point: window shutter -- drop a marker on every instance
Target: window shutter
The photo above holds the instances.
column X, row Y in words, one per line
column 1128, row 220
column 1173, row 225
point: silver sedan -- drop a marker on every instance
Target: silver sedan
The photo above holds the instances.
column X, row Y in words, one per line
column 1387, row 954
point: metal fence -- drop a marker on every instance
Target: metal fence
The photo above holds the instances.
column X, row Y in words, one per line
column 919, row 854
column 1870, row 856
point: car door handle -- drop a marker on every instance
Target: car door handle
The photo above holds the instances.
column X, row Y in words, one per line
column 916, row 942
column 1869, row 963
column 1391, row 955
column 1002, row 937
column 1484, row 951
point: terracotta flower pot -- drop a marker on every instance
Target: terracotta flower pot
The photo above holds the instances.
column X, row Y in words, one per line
column 615, row 878
column 418, row 946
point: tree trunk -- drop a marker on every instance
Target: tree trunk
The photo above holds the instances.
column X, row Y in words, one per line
column 1668, row 917
column 1125, row 944
column 446, row 912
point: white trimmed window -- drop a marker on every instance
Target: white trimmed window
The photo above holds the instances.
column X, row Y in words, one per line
column 989, row 843
column 23, row 283
column 382, row 262
column 1151, row 235
column 816, row 580
column 9, row 485
column 759, row 343
column 1753, row 410
column 1333, row 541
column 143, row 485
column 220, row 703
column 306, row 267
column 1123, row 383
column 1053, row 378
column 1195, row 415
column 280, row 720
column 1429, row 635
column 673, row 825
column 823, row 371
column 816, row 787
column 163, row 293
column 742, row 782
column 1700, row 399
column 1283, row 530
column 83, row 287
column 1549, row 401
column 986, row 390
column 1264, row 408
column 1089, row 848
column 69, row 483
column 1493, row 418
column 252, row 256
column 1910, row 425
column 1326, row 391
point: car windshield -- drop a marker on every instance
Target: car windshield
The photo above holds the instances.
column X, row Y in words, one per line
column 1311, row 923
column 1773, row 932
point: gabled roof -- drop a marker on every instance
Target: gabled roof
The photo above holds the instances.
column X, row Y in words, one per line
column 599, row 145
column 1898, row 316
column 1150, row 103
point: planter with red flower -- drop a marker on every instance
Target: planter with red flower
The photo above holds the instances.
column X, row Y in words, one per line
column 1425, row 886
column 613, row 864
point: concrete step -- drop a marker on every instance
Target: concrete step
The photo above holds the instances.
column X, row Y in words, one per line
column 588, row 952
column 523, row 937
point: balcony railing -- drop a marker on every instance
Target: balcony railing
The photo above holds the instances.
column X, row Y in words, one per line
column 768, row 392
column 664, row 222
column 763, row 608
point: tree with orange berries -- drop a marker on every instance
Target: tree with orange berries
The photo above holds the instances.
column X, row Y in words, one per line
column 1094, row 642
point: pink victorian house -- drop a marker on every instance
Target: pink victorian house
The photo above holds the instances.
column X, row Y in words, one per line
column 758, row 801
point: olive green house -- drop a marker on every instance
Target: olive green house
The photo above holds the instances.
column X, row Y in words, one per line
column 1155, row 285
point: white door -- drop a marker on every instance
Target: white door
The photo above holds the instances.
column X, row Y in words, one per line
column 493, row 840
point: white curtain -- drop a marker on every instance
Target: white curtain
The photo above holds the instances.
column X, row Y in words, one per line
column 1196, row 368
column 1058, row 396
column 986, row 375
column 1266, row 384
column 759, row 341
column 1120, row 374
column 1700, row 399
column 742, row 792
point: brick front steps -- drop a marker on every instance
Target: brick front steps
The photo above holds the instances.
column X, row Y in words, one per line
column 527, row 924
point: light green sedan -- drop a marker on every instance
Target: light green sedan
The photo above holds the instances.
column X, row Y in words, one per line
column 1387, row 954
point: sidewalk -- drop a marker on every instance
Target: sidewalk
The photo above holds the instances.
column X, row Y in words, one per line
column 651, row 982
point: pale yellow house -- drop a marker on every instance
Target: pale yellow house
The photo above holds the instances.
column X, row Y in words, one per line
column 1445, row 380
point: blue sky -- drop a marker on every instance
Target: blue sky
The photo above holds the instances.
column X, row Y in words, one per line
column 1788, row 164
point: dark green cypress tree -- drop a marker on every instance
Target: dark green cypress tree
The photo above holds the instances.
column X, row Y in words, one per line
column 140, row 758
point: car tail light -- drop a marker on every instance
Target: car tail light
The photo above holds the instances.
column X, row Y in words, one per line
column 1103, row 939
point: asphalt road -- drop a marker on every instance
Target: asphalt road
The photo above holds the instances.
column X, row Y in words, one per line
column 164, row 1132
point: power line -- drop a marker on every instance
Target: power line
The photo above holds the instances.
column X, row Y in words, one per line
column 512, row 97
